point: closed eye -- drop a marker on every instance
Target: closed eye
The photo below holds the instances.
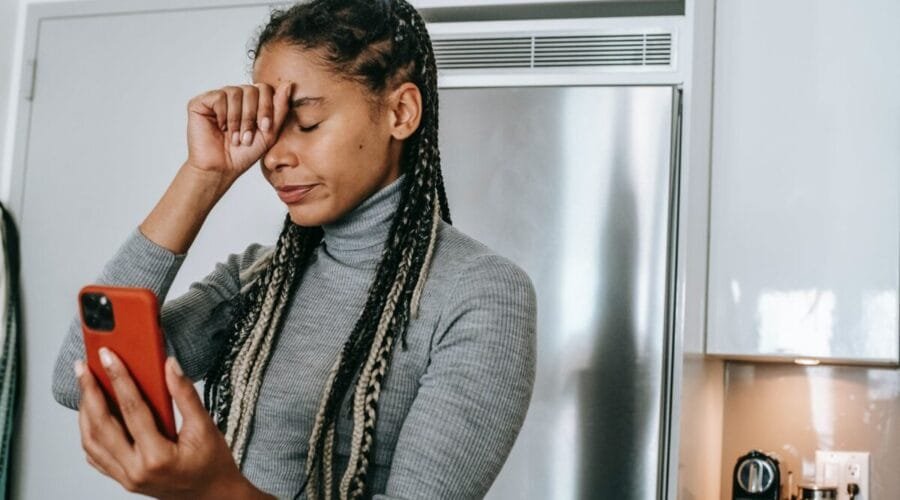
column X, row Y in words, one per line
column 308, row 129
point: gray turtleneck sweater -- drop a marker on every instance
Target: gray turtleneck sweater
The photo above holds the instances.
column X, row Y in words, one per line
column 451, row 405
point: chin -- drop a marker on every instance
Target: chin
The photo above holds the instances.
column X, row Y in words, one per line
column 301, row 219
column 302, row 216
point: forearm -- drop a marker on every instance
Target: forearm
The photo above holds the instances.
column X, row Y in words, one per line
column 137, row 263
column 65, row 385
column 178, row 216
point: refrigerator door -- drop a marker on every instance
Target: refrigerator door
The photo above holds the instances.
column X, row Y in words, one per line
column 573, row 184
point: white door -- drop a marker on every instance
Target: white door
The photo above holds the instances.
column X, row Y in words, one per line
column 107, row 134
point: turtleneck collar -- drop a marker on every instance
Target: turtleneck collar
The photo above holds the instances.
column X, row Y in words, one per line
column 365, row 227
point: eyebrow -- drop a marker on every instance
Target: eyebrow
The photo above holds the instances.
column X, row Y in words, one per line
column 301, row 101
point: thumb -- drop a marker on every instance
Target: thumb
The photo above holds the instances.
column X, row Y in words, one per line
column 185, row 396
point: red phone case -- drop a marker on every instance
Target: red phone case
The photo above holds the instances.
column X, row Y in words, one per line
column 137, row 339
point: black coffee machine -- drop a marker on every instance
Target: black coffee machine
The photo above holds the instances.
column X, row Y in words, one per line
column 756, row 477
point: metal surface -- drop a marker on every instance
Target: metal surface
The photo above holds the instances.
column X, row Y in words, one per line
column 573, row 184
column 755, row 475
column 674, row 73
column 815, row 492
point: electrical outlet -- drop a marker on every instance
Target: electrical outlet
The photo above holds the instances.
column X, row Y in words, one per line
column 839, row 468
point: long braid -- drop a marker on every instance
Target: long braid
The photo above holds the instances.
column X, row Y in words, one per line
column 380, row 43
column 396, row 316
column 244, row 357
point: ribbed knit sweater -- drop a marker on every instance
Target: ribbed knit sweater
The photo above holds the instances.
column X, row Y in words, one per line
column 451, row 405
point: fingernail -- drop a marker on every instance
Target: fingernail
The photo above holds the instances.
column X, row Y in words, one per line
column 235, row 138
column 105, row 357
column 248, row 138
column 79, row 368
column 176, row 367
column 264, row 124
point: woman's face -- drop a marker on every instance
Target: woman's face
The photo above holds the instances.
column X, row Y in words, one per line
column 332, row 137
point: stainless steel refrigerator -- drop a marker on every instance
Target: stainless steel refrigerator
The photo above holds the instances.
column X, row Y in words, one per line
column 576, row 185
column 572, row 182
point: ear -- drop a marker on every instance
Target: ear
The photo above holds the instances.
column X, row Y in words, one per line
column 405, row 110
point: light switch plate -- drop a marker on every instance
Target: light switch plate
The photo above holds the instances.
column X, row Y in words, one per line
column 839, row 468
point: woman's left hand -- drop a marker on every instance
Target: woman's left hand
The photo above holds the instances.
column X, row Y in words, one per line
column 132, row 451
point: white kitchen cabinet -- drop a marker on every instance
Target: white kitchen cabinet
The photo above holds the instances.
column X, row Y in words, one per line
column 805, row 182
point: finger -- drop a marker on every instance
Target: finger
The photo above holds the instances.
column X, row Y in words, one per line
column 101, row 435
column 218, row 102
column 212, row 104
column 96, row 410
column 281, row 106
column 116, row 414
column 248, row 114
column 264, row 111
column 104, row 463
column 234, row 98
column 181, row 387
column 94, row 464
column 135, row 412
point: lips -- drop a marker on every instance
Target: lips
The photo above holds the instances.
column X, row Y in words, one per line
column 293, row 194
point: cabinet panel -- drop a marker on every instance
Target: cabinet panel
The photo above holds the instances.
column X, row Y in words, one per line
column 805, row 200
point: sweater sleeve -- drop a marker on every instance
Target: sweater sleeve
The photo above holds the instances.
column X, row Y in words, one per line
column 189, row 322
column 476, row 390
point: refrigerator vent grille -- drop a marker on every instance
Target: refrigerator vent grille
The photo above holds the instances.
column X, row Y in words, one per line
column 633, row 49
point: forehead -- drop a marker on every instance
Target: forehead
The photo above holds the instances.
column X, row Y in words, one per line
column 278, row 62
column 311, row 75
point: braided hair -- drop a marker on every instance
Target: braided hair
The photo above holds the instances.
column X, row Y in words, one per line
column 378, row 44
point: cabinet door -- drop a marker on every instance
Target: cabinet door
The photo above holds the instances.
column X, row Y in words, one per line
column 805, row 201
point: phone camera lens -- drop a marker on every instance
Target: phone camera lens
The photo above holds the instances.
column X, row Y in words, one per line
column 98, row 311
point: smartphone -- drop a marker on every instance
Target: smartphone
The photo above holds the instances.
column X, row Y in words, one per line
column 126, row 321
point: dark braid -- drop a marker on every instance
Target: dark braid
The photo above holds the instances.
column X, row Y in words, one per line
column 379, row 44
column 279, row 273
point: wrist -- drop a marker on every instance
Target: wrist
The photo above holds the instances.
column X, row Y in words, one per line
column 238, row 488
column 208, row 182
column 178, row 216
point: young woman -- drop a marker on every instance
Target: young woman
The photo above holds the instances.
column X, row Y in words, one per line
column 374, row 350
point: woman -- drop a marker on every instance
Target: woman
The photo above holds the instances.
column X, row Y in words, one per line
column 306, row 390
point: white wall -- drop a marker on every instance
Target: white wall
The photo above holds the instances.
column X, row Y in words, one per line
column 9, row 13
column 11, row 31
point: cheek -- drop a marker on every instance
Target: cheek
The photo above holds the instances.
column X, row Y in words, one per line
column 368, row 143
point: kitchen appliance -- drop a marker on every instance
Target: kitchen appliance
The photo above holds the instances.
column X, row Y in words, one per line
column 757, row 477
column 576, row 183
column 817, row 492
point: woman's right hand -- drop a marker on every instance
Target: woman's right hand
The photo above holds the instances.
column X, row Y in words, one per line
column 252, row 113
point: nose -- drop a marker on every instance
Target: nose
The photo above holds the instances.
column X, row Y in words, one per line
column 279, row 155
